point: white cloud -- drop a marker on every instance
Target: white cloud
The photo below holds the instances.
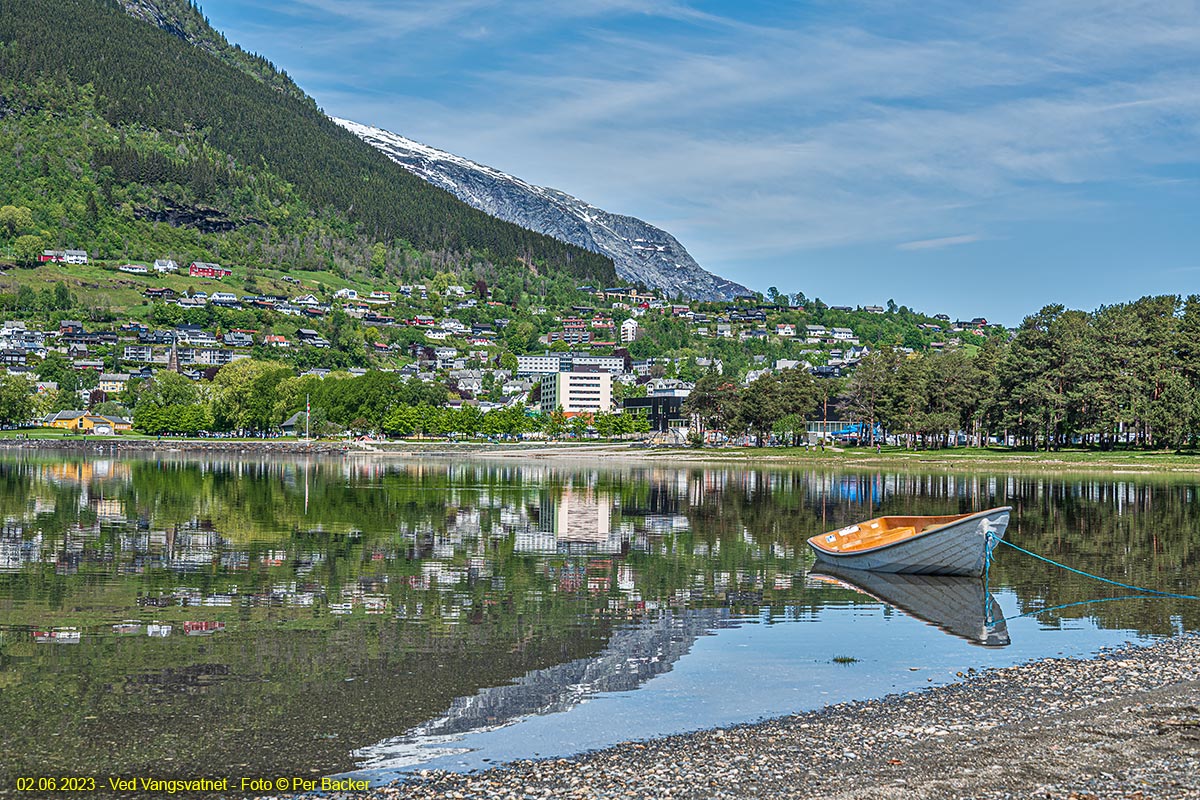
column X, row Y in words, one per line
column 939, row 243
column 825, row 126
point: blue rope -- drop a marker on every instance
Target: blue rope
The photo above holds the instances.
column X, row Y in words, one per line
column 1144, row 590
column 1037, row 611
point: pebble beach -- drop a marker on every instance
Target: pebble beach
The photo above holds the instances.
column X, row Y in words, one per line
column 1125, row 724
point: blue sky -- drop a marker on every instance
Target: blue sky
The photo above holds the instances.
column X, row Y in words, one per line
column 966, row 158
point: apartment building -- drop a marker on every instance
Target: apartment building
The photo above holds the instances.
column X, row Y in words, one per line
column 576, row 392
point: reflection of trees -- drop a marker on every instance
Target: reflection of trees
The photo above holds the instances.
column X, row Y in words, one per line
column 683, row 529
column 435, row 543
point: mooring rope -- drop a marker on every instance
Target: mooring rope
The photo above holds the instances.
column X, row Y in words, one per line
column 1037, row 611
column 1142, row 589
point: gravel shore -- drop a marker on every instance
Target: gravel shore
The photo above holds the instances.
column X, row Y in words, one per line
column 1123, row 724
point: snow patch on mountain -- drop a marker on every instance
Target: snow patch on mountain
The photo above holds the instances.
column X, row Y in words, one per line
column 640, row 251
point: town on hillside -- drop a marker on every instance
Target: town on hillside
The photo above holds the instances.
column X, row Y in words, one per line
column 573, row 364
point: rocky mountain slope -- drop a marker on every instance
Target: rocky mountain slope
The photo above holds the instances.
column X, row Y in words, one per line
column 640, row 251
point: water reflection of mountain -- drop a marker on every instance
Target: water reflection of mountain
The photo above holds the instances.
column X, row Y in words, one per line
column 634, row 654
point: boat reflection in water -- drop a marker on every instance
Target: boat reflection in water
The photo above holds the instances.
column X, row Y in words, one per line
column 959, row 605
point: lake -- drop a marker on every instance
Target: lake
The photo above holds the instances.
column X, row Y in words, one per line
column 184, row 617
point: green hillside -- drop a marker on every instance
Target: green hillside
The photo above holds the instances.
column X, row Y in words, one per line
column 184, row 20
column 127, row 141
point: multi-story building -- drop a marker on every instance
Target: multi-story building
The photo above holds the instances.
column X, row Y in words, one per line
column 113, row 382
column 538, row 365
column 576, row 392
column 629, row 330
column 141, row 354
column 603, row 363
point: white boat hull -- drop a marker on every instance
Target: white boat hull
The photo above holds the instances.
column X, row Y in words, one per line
column 960, row 548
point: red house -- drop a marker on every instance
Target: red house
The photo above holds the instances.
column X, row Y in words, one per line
column 202, row 269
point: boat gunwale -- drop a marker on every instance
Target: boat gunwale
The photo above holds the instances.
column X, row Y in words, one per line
column 812, row 541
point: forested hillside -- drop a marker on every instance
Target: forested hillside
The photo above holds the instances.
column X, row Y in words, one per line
column 80, row 70
column 183, row 19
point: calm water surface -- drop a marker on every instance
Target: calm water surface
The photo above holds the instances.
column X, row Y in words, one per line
column 275, row 617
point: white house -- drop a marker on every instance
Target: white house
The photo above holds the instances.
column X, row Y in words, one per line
column 346, row 294
column 629, row 330
column 133, row 269
column 65, row 256
column 165, row 265
column 785, row 329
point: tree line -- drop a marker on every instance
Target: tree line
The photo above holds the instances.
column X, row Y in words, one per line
column 772, row 402
column 256, row 397
column 1126, row 374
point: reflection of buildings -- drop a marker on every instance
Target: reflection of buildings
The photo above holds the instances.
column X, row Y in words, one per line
column 15, row 550
column 87, row 471
column 633, row 656
column 109, row 509
column 573, row 520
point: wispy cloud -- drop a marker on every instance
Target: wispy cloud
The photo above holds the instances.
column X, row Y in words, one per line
column 938, row 244
column 771, row 130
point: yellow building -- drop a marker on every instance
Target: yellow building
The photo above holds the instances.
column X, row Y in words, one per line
column 113, row 382
column 84, row 422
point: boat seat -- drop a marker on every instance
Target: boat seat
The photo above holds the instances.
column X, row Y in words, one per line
column 871, row 539
column 894, row 535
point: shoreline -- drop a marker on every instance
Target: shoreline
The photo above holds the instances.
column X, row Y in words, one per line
column 944, row 460
column 1123, row 723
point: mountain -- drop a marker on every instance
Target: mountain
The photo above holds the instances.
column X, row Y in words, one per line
column 134, row 123
column 184, row 20
column 640, row 251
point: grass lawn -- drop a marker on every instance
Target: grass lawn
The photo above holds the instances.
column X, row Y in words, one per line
column 1147, row 460
column 124, row 293
column 58, row 433
column 54, row 434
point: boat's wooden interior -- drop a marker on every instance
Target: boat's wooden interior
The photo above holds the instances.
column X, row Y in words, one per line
column 878, row 532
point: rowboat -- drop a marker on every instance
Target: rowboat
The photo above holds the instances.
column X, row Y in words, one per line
column 948, row 545
column 957, row 604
